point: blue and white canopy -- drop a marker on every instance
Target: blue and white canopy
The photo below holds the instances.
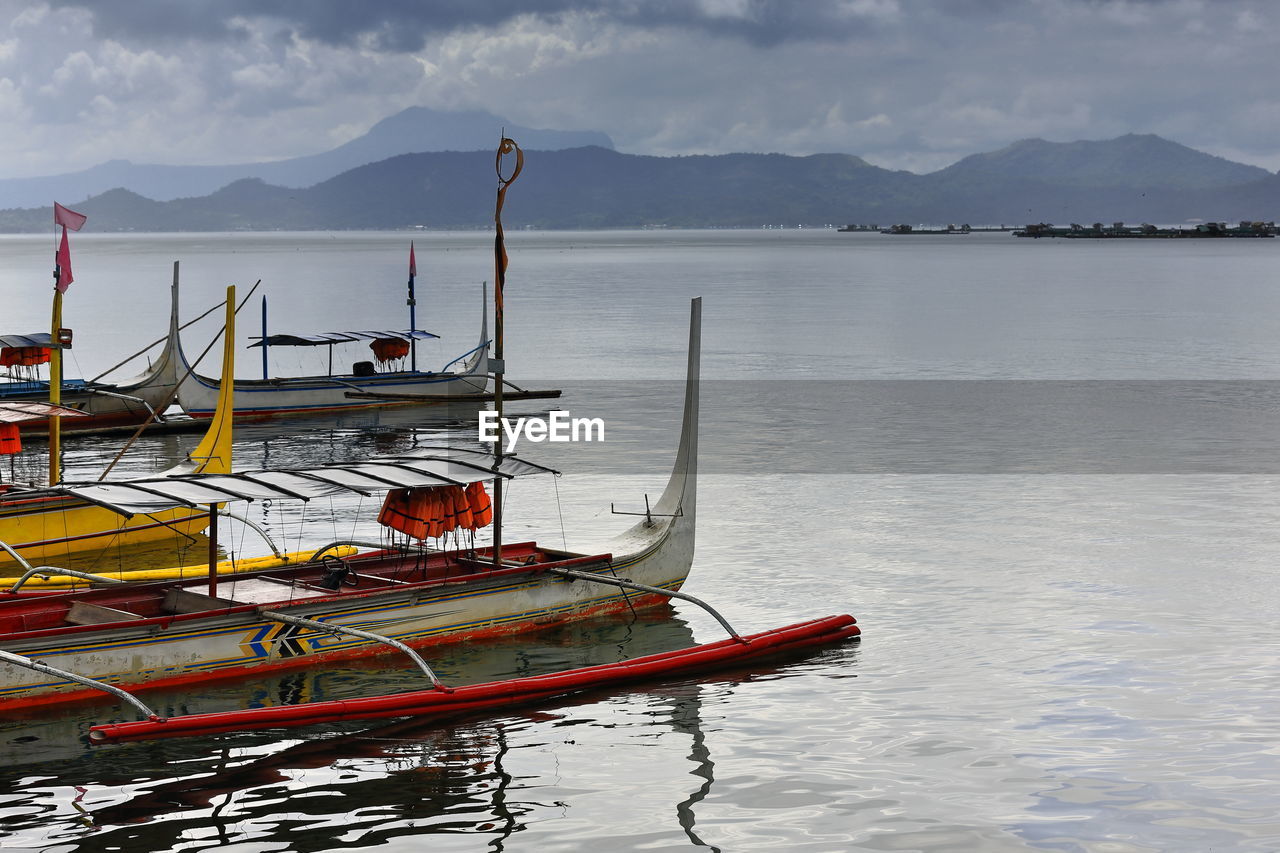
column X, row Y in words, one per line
column 39, row 339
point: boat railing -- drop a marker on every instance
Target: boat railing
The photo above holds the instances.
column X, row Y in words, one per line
column 45, row 572
column 30, row 571
column 158, row 416
column 319, row 553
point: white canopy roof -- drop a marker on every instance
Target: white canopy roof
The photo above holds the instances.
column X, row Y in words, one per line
column 325, row 338
column 38, row 339
column 425, row 467
column 13, row 411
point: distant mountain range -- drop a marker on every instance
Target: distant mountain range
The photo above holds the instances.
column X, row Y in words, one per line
column 412, row 130
column 1128, row 161
column 1133, row 178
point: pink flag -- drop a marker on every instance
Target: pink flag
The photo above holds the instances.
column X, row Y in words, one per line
column 64, row 263
column 67, row 218
column 413, row 264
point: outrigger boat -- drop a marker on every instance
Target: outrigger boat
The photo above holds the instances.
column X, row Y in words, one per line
column 464, row 378
column 105, row 405
column 42, row 524
column 37, row 525
column 111, row 641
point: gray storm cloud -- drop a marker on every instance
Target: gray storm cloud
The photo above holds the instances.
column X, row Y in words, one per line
column 405, row 25
column 905, row 83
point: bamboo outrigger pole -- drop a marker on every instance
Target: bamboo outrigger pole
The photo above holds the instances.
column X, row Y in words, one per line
column 507, row 146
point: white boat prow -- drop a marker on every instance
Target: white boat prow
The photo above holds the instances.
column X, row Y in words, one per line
column 669, row 526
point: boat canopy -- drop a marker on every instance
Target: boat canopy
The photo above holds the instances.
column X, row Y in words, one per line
column 327, row 338
column 39, row 339
column 421, row 468
column 15, row 411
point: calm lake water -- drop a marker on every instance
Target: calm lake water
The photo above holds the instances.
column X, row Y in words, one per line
column 1039, row 473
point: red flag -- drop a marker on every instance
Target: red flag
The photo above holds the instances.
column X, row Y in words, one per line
column 67, row 218
column 413, row 264
column 64, row 263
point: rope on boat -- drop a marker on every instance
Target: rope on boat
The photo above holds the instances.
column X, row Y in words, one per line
column 226, row 513
column 157, row 341
column 174, row 393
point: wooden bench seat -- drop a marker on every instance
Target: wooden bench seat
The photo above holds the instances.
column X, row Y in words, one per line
column 186, row 601
column 84, row 613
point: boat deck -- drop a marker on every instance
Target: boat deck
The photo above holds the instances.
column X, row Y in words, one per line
column 312, row 582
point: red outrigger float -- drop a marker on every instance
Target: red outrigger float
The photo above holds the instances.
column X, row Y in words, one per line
column 79, row 646
column 442, row 701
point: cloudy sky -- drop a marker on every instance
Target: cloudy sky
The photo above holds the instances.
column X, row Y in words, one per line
column 905, row 83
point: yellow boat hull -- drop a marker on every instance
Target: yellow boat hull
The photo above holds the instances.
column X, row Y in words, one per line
column 226, row 567
column 49, row 529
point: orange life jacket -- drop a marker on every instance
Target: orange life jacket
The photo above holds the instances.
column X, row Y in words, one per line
column 23, row 356
column 402, row 510
column 433, row 510
column 461, row 508
column 10, row 439
column 480, row 504
column 386, row 349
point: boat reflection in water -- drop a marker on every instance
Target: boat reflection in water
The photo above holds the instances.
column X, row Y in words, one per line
column 320, row 787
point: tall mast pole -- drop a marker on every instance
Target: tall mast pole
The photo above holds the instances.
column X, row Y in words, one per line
column 55, row 387
column 62, row 278
column 264, row 337
column 413, row 308
column 507, row 146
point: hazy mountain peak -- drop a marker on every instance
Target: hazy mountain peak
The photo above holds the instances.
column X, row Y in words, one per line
column 1132, row 160
column 473, row 130
column 410, row 131
column 120, row 194
column 419, row 129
